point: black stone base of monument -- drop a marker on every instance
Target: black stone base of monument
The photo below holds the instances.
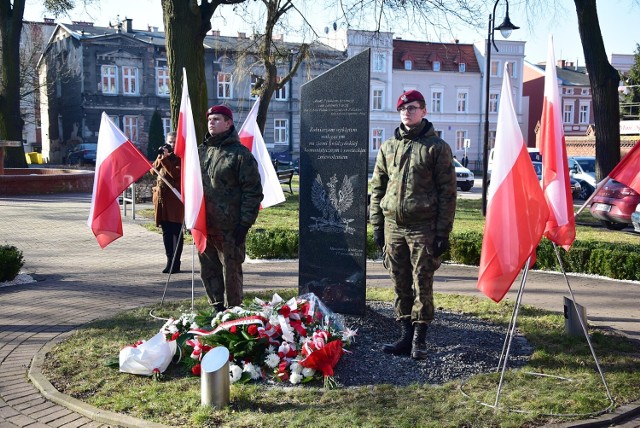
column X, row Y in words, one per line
column 344, row 297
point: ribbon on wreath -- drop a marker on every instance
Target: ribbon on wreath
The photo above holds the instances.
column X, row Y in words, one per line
column 254, row 319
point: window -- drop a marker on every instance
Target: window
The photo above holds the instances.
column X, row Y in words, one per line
column 462, row 101
column 379, row 62
column 162, row 79
column 495, row 69
column 280, row 94
column 461, row 134
column 408, row 64
column 130, row 80
column 377, row 137
column 166, row 125
column 115, row 120
column 130, row 124
column 585, row 91
column 436, row 101
column 567, row 91
column 492, row 139
column 436, row 65
column 224, row 85
column 583, row 117
column 109, row 79
column 462, row 67
column 377, row 100
column 254, row 82
column 280, row 131
column 493, row 102
column 567, row 116
column 511, row 68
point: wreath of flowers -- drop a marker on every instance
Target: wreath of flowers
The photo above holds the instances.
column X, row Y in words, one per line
column 293, row 341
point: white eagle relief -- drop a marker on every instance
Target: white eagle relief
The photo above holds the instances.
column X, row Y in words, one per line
column 332, row 204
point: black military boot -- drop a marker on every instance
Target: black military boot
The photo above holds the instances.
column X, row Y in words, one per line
column 419, row 346
column 401, row 346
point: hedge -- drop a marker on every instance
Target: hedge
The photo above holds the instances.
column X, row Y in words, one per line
column 617, row 261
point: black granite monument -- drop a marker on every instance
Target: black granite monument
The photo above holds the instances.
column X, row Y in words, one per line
column 334, row 134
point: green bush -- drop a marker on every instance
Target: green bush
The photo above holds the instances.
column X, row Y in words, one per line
column 11, row 262
column 613, row 260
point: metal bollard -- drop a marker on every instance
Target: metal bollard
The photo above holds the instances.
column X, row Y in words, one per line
column 214, row 378
column 571, row 321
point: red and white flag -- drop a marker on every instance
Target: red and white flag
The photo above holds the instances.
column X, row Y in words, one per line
column 118, row 164
column 627, row 171
column 251, row 138
column 556, row 184
column 186, row 148
column 516, row 209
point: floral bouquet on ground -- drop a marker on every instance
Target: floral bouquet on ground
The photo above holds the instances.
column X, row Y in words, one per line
column 289, row 341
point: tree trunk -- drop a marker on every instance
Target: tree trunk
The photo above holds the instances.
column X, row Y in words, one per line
column 604, row 81
column 10, row 119
column 186, row 24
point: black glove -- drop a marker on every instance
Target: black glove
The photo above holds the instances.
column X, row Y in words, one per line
column 240, row 234
column 440, row 245
column 378, row 237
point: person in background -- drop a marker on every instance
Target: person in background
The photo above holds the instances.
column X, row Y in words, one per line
column 413, row 203
column 232, row 193
column 169, row 210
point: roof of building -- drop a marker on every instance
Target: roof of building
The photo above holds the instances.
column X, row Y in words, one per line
column 569, row 75
column 424, row 54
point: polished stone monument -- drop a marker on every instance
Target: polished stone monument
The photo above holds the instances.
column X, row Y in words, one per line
column 334, row 134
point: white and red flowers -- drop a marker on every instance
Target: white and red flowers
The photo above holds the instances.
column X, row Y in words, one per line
column 287, row 341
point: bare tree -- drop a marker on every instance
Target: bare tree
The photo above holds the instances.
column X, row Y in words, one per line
column 186, row 24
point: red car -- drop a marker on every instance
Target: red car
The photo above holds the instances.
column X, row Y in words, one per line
column 614, row 204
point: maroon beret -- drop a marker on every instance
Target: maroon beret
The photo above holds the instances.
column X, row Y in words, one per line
column 409, row 96
column 220, row 109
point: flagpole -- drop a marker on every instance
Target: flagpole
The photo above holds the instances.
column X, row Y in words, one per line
column 511, row 330
column 173, row 261
column 590, row 198
column 582, row 323
column 193, row 269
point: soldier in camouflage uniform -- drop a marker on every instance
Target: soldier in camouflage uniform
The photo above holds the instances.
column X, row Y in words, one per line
column 413, row 202
column 232, row 193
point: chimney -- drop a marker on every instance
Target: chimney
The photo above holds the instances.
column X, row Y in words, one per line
column 242, row 35
column 561, row 63
column 128, row 25
column 215, row 32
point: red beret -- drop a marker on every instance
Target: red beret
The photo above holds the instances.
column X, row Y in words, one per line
column 409, row 96
column 220, row 109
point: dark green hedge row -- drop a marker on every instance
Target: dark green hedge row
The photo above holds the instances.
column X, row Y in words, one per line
column 10, row 262
column 592, row 257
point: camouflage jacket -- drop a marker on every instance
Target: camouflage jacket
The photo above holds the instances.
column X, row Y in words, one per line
column 231, row 182
column 414, row 181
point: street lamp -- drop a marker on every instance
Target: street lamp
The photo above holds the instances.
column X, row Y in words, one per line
column 505, row 29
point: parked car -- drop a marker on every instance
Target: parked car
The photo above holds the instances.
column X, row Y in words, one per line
column 614, row 204
column 635, row 219
column 82, row 154
column 576, row 189
column 464, row 176
column 583, row 169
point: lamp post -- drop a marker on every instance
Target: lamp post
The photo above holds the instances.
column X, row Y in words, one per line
column 505, row 29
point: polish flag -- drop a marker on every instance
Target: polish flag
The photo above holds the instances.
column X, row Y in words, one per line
column 251, row 138
column 627, row 171
column 561, row 225
column 516, row 209
column 186, row 149
column 118, row 164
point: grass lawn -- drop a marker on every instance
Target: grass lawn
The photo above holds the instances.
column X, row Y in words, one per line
column 83, row 367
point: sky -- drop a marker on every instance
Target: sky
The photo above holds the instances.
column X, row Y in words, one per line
column 618, row 22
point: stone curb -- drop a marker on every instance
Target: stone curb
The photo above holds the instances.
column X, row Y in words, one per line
column 50, row 393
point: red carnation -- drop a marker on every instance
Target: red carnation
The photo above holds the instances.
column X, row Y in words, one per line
column 233, row 329
column 285, row 311
column 252, row 330
column 196, row 370
column 175, row 335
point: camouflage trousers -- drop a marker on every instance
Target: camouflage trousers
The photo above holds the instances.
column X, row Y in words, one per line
column 411, row 265
column 221, row 269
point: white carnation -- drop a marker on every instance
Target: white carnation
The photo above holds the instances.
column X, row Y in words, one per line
column 272, row 360
column 253, row 370
column 295, row 378
column 308, row 372
column 296, row 368
column 235, row 373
